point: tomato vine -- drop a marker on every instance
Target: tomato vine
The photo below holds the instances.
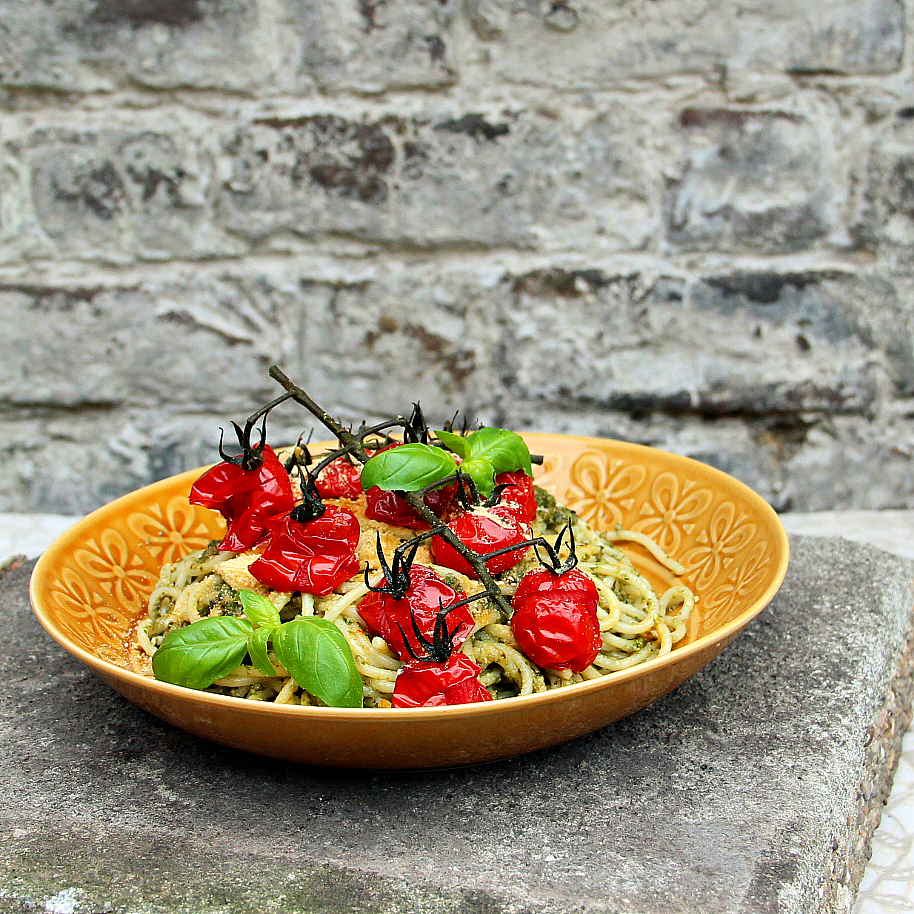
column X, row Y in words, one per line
column 308, row 546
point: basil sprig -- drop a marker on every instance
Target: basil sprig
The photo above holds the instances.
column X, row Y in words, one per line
column 313, row 650
column 484, row 453
column 259, row 610
column 265, row 615
column 487, row 452
column 318, row 657
column 407, row 467
column 201, row 653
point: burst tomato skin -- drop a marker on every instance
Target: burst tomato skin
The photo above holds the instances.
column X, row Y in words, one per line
column 519, row 492
column 427, row 684
column 391, row 618
column 542, row 580
column 484, row 530
column 392, row 509
column 314, row 556
column 555, row 619
column 251, row 501
column 339, row 479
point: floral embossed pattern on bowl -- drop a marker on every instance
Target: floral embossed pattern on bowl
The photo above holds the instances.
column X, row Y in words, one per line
column 91, row 585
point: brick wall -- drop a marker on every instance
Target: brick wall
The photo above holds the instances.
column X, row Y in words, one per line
column 682, row 223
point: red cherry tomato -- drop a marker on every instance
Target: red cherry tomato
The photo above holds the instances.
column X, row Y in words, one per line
column 426, row 684
column 555, row 619
column 251, row 501
column 340, row 479
column 392, row 509
column 314, row 556
column 427, row 593
column 519, row 492
column 542, row 580
column 484, row 530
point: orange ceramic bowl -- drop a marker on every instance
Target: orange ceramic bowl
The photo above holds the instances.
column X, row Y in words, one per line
column 92, row 584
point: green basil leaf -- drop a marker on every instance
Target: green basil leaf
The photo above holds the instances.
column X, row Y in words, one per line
column 318, row 657
column 482, row 472
column 491, row 451
column 456, row 443
column 258, row 609
column 407, row 467
column 258, row 648
column 506, row 449
column 199, row 654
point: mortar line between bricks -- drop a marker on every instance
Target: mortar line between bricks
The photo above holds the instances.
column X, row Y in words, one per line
column 135, row 100
column 364, row 266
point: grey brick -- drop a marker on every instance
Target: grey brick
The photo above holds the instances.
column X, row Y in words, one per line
column 190, row 344
column 521, row 179
column 311, row 175
column 887, row 211
column 116, row 193
column 108, row 388
column 883, row 204
column 851, row 463
column 590, row 44
column 387, row 344
column 828, row 340
column 370, row 45
column 748, row 181
column 71, row 464
column 588, row 338
column 86, row 45
column 738, row 344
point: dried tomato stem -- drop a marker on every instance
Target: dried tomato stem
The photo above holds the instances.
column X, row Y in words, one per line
column 343, row 434
column 365, row 431
column 476, row 563
column 329, row 458
column 349, row 440
column 251, row 420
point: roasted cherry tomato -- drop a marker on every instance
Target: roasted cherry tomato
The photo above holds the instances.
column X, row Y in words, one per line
column 518, row 492
column 251, row 500
column 484, row 530
column 340, row 479
column 392, row 509
column 426, row 684
column 555, row 619
column 313, row 556
column 392, row 618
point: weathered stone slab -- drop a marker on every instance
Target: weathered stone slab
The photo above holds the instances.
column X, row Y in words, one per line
column 753, row 788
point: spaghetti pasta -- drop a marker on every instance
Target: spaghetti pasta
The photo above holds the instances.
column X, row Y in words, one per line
column 636, row 624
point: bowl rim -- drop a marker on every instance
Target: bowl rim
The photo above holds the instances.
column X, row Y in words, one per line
column 46, row 562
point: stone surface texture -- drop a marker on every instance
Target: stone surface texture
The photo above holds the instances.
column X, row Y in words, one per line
column 753, row 788
column 676, row 222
